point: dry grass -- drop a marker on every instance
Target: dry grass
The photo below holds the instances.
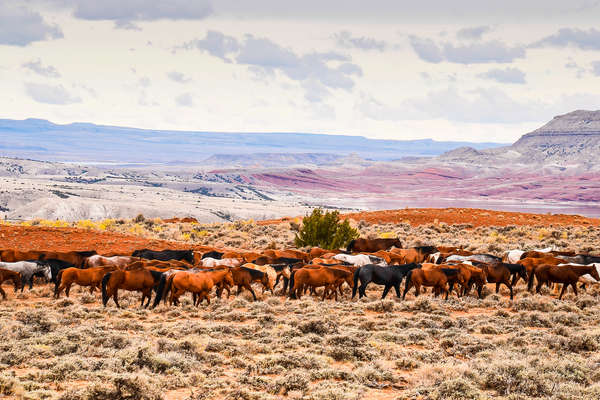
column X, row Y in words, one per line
column 534, row 347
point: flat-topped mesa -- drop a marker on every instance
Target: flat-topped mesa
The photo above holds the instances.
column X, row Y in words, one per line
column 572, row 137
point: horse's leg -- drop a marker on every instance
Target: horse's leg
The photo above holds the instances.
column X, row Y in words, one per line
column 385, row 291
column 30, row 283
column 507, row 283
column 417, row 289
column 362, row 289
column 497, row 287
column 3, row 293
column 479, row 288
column 397, row 289
column 251, row 291
column 538, row 287
column 562, row 291
column 574, row 286
column 68, row 289
column 116, row 297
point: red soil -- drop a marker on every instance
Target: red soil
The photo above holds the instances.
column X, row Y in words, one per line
column 474, row 217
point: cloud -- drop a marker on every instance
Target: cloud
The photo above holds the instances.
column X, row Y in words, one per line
column 184, row 100
column 474, row 53
column 596, row 68
column 346, row 40
column 140, row 10
column 474, row 33
column 507, row 75
column 317, row 72
column 178, row 77
column 37, row 67
column 572, row 37
column 126, row 25
column 216, row 44
column 50, row 94
column 20, row 26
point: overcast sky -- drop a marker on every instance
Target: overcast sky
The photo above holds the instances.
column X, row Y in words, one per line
column 460, row 70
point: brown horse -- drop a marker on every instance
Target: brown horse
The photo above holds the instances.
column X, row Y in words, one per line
column 565, row 274
column 139, row 280
column 243, row 278
column 330, row 278
column 77, row 258
column 475, row 276
column 16, row 255
column 5, row 275
column 91, row 277
column 200, row 284
column 362, row 245
column 435, row 278
column 318, row 252
column 531, row 263
column 414, row 254
column 499, row 274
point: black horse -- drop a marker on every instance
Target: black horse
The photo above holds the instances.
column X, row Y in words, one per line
column 56, row 266
column 388, row 276
column 165, row 255
column 516, row 271
column 213, row 254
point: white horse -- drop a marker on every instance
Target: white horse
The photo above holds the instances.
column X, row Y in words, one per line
column 513, row 256
column 28, row 269
column 227, row 262
column 360, row 260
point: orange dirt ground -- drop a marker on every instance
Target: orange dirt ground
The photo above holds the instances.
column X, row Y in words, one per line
column 25, row 238
column 474, row 216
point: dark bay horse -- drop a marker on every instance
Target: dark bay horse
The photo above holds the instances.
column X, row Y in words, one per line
column 388, row 276
column 6, row 274
column 565, row 274
column 372, row 245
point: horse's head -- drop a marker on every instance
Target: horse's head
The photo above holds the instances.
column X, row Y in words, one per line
column 594, row 273
column 286, row 272
column 48, row 272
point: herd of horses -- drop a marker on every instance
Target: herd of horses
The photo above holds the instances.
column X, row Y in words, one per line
column 169, row 274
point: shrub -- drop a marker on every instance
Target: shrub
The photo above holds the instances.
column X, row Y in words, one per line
column 325, row 230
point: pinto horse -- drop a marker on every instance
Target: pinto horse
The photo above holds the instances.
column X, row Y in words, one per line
column 102, row 261
column 388, row 276
column 565, row 274
column 6, row 274
column 362, row 245
column 91, row 277
column 138, row 280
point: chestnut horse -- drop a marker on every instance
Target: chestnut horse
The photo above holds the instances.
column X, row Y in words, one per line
column 243, row 278
column 362, row 245
column 417, row 254
column 91, row 277
column 437, row 278
column 139, row 280
column 200, row 284
column 565, row 274
column 5, row 275
column 330, row 278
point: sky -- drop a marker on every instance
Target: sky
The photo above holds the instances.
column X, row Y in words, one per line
column 389, row 69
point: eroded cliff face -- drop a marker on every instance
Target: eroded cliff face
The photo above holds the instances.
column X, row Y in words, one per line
column 569, row 138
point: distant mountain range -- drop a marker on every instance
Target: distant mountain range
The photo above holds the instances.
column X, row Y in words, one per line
column 90, row 143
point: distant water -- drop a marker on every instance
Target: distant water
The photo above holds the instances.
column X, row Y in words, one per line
column 592, row 211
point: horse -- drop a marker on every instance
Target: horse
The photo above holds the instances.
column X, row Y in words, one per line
column 16, row 255
column 200, row 284
column 360, row 259
column 139, row 280
column 165, row 255
column 226, row 262
column 567, row 275
column 270, row 271
column 388, row 276
column 362, row 245
column 415, row 254
column 500, row 274
column 243, row 277
column 91, row 277
column 512, row 256
column 6, row 274
column 318, row 252
column 57, row 265
column 102, row 261
column 436, row 277
column 475, row 276
column 27, row 269
column 330, row 278
column 77, row 258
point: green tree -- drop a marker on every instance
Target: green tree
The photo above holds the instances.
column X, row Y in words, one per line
column 324, row 229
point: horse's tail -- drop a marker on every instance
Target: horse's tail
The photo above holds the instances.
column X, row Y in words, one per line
column 350, row 245
column 57, row 281
column 104, row 284
column 292, row 280
column 169, row 287
column 354, row 288
column 530, row 282
column 408, row 281
column 160, row 290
